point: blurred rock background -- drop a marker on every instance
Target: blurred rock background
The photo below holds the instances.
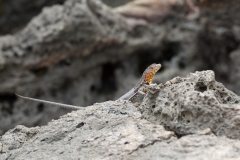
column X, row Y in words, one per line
column 82, row 52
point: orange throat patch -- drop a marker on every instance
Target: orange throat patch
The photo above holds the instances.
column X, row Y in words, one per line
column 151, row 71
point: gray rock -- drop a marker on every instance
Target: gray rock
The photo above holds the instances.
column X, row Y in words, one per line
column 187, row 105
column 110, row 129
column 15, row 14
column 197, row 147
column 65, row 55
column 196, row 108
column 82, row 51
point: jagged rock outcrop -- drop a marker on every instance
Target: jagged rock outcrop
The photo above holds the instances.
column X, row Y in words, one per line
column 187, row 105
column 75, row 53
column 184, row 118
column 81, row 51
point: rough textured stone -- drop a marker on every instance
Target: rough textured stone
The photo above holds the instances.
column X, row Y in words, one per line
column 196, row 110
column 106, row 130
column 187, row 105
column 69, row 53
column 190, row 147
column 81, row 52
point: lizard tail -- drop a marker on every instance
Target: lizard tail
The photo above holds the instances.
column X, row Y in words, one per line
column 128, row 95
column 52, row 103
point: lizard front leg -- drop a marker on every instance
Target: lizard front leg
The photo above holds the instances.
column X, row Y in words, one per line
column 141, row 92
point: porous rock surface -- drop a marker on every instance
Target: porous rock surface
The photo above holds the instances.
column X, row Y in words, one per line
column 69, row 53
column 81, row 51
column 104, row 130
column 199, row 113
column 196, row 102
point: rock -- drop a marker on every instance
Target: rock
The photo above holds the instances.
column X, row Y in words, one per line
column 110, row 129
column 15, row 14
column 63, row 55
column 187, row 105
column 181, row 119
column 82, row 52
column 190, row 147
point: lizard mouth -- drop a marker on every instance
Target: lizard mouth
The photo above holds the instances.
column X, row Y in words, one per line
column 151, row 71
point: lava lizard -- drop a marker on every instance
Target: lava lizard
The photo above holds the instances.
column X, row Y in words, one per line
column 145, row 79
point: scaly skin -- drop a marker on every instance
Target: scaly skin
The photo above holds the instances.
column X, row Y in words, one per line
column 151, row 71
column 145, row 79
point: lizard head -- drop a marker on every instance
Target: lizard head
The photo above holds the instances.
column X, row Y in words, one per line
column 151, row 71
